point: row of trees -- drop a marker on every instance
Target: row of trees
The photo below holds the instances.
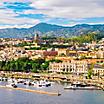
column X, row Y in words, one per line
column 25, row 65
column 22, row 64
column 84, row 38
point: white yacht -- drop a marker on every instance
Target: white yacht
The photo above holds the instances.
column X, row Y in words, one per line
column 0, row 78
column 12, row 85
column 42, row 83
column 21, row 80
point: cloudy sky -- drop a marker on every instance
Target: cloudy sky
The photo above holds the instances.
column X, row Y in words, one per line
column 26, row 13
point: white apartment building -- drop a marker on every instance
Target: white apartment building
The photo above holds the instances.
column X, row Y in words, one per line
column 98, row 70
column 74, row 66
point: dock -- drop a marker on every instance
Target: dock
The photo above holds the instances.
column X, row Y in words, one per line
column 33, row 91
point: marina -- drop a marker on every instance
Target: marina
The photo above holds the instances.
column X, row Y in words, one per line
column 14, row 83
column 30, row 91
column 9, row 96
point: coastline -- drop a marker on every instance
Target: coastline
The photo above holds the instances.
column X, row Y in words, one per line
column 52, row 77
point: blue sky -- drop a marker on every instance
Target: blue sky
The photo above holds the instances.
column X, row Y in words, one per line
column 27, row 13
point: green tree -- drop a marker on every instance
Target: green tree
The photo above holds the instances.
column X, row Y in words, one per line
column 44, row 66
column 90, row 71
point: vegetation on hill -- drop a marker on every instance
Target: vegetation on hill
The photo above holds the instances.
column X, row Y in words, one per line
column 52, row 30
column 85, row 38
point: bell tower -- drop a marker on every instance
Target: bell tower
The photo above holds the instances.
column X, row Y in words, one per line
column 37, row 39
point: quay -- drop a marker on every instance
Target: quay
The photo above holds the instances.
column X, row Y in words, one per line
column 33, row 91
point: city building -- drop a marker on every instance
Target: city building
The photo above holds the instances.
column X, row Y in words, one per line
column 36, row 42
column 73, row 66
column 98, row 70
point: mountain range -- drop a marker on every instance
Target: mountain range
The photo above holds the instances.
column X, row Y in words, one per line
column 45, row 29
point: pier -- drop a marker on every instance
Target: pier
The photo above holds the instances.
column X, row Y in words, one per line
column 33, row 91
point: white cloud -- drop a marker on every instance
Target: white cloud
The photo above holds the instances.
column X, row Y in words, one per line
column 15, row 26
column 65, row 8
column 18, row 21
column 8, row 16
column 14, row 1
column 77, row 23
column 9, row 19
column 69, row 8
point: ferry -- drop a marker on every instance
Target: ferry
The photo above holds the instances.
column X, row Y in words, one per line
column 80, row 86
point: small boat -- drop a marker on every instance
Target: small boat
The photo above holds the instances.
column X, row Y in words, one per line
column 45, row 83
column 12, row 85
column 21, row 80
column 10, row 80
column 42, row 83
column 69, row 87
column 27, row 83
column 76, row 83
column 36, row 84
column 33, row 83
column 4, row 79
column 0, row 78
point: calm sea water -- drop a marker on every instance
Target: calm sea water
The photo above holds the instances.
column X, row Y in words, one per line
column 8, row 96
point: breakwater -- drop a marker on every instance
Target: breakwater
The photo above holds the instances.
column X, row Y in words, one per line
column 33, row 91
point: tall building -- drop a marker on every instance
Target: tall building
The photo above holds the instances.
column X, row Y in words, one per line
column 36, row 42
column 37, row 39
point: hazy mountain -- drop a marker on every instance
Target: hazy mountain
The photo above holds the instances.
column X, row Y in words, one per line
column 51, row 30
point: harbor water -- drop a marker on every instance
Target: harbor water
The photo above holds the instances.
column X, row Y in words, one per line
column 9, row 96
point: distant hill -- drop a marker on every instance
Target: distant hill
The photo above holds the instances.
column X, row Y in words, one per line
column 52, row 30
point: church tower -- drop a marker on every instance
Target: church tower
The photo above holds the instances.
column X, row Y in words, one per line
column 37, row 39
